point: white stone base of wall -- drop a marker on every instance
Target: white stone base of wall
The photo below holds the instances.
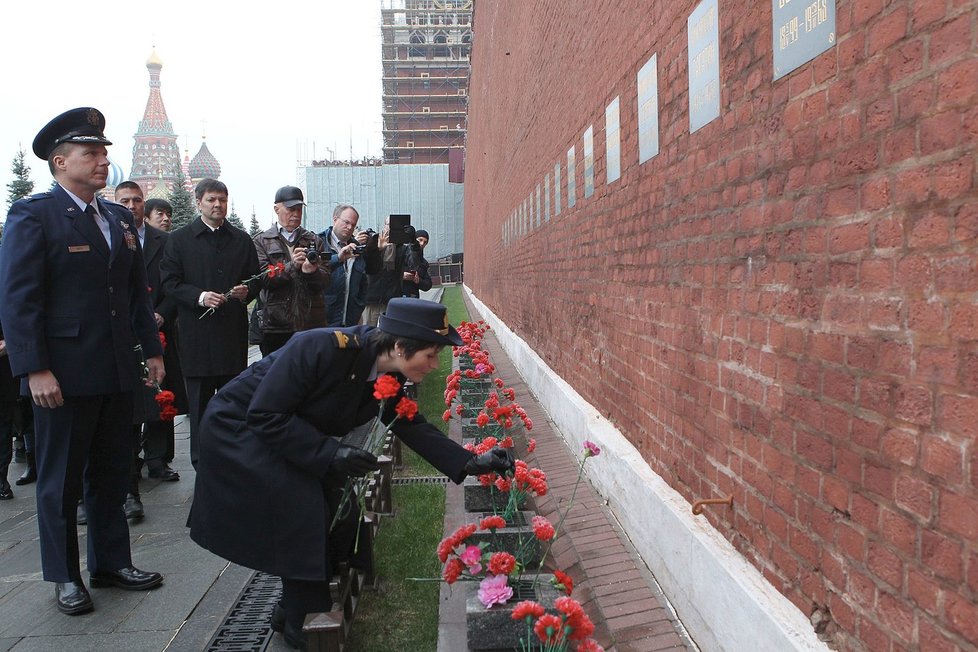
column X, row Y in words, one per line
column 723, row 601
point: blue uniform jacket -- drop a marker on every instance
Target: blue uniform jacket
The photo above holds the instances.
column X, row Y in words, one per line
column 67, row 302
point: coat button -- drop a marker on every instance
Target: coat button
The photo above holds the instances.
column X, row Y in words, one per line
column 113, row 313
column 111, row 290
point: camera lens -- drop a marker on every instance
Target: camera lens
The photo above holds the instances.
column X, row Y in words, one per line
column 312, row 256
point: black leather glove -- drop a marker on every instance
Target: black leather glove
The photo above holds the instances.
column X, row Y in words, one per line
column 498, row 459
column 350, row 460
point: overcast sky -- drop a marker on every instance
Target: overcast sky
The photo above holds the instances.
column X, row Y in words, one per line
column 267, row 83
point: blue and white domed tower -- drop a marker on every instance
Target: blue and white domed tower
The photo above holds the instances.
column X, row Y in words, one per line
column 116, row 175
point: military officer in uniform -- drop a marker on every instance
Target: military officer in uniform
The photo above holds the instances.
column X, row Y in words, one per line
column 73, row 304
column 273, row 464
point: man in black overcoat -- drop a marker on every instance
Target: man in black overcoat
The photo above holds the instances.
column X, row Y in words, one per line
column 204, row 264
column 73, row 304
column 152, row 435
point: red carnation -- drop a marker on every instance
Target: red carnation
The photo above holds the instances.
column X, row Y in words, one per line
column 166, row 399
column 482, row 420
column 502, row 563
column 492, row 523
column 563, row 581
column 527, row 609
column 386, row 387
column 542, row 529
column 453, row 569
column 406, row 408
column 548, row 628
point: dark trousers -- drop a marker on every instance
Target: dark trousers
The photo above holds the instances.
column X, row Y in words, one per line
column 136, row 464
column 301, row 597
column 157, row 443
column 87, row 441
column 271, row 342
column 200, row 390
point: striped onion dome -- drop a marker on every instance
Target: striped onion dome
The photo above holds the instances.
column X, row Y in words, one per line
column 116, row 175
column 204, row 164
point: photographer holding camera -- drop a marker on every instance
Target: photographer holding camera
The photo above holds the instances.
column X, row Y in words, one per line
column 352, row 255
column 385, row 283
column 292, row 301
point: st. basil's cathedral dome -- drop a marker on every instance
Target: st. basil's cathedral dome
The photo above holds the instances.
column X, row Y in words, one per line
column 204, row 165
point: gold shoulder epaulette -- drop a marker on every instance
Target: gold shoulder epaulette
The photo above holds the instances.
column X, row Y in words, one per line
column 344, row 341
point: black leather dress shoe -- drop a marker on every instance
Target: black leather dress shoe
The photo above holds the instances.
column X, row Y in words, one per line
column 130, row 579
column 133, row 508
column 73, row 598
column 165, row 473
column 29, row 476
column 5, row 492
column 278, row 618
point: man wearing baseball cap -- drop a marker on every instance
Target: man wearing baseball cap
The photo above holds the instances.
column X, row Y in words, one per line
column 74, row 304
column 292, row 301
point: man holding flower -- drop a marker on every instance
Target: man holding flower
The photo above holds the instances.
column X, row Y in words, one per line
column 202, row 269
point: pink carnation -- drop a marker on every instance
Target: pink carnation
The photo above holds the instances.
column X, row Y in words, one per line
column 471, row 557
column 494, row 589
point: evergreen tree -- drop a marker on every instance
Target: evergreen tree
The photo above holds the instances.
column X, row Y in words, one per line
column 254, row 229
column 234, row 219
column 21, row 186
column 184, row 206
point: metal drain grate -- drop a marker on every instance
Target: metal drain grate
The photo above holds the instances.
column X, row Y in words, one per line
column 430, row 479
column 246, row 628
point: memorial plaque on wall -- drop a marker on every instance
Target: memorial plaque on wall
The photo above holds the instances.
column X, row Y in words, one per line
column 612, row 141
column 546, row 197
column 589, row 161
column 556, row 188
column 648, row 110
column 538, row 211
column 803, row 29
column 571, row 180
column 703, row 34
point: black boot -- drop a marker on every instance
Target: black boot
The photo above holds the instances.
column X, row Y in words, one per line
column 5, row 492
column 30, row 475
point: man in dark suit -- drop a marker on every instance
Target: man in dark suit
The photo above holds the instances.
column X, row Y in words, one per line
column 158, row 434
column 73, row 304
column 148, row 430
column 204, row 264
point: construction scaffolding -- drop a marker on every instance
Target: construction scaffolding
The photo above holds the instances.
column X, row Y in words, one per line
column 426, row 47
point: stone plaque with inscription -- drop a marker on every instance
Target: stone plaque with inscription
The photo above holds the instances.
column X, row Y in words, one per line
column 648, row 110
column 612, row 141
column 703, row 34
column 803, row 29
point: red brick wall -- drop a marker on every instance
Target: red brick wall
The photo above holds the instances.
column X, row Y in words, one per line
column 781, row 305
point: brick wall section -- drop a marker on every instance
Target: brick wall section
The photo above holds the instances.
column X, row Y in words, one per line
column 779, row 306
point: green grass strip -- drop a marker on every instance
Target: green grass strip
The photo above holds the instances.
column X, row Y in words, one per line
column 403, row 614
